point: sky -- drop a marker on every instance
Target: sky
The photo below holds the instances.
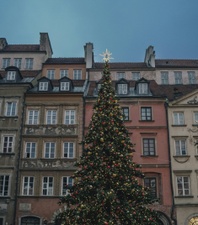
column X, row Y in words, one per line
column 125, row 27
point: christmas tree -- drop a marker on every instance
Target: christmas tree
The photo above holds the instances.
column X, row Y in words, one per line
column 107, row 188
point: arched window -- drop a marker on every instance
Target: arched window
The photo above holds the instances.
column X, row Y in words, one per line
column 30, row 220
column 193, row 221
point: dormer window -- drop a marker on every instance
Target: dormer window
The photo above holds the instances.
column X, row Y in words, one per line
column 143, row 88
column 65, row 86
column 43, row 86
column 122, row 89
column 11, row 75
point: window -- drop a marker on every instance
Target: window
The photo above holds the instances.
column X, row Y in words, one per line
column 70, row 116
column 29, row 63
column 6, row 62
column 11, row 75
column 28, row 186
column 11, row 108
column 122, row 89
column 8, row 144
column 191, row 77
column 63, row 73
column 125, row 111
column 135, row 75
column 178, row 77
column 178, row 118
column 68, row 150
column 195, row 117
column 143, row 88
column 43, row 86
column 148, row 146
column 51, row 117
column 49, row 150
column 77, row 74
column 180, row 147
column 183, row 185
column 30, row 150
column 164, row 77
column 33, row 117
column 4, row 185
column 66, row 182
column 47, row 187
column 146, row 113
column 17, row 62
column 64, row 86
column 50, row 74
column 121, row 75
column 150, row 182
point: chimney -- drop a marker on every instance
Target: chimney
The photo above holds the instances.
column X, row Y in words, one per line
column 89, row 59
column 150, row 57
column 3, row 43
column 45, row 44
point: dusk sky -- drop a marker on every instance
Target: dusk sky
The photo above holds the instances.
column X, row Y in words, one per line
column 124, row 27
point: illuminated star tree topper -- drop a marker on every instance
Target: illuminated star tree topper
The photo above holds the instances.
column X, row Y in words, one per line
column 106, row 56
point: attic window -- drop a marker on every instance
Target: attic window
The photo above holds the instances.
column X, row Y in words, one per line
column 11, row 75
column 64, row 86
column 143, row 88
column 43, row 86
column 122, row 89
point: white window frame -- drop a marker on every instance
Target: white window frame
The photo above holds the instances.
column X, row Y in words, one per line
column 77, row 74
column 47, row 186
column 121, row 75
column 184, row 182
column 29, row 63
column 180, row 147
column 11, row 75
column 5, row 62
column 66, row 182
column 33, row 116
column 195, row 117
column 50, row 150
column 178, row 118
column 135, row 75
column 178, row 77
column 69, row 150
column 63, row 73
column 30, row 150
column 4, row 185
column 143, row 88
column 11, row 108
column 64, row 86
column 125, row 111
column 43, row 86
column 122, row 89
column 70, row 117
column 150, row 185
column 8, row 145
column 17, row 62
column 51, row 74
column 28, row 186
column 51, row 116
column 149, row 148
column 146, row 113
column 191, row 77
column 164, row 77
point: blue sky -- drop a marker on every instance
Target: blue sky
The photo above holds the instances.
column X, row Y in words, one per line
column 124, row 27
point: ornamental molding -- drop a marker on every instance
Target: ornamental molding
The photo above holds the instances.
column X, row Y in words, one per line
column 193, row 101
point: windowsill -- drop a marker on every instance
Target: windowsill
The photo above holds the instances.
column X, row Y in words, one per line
column 179, row 125
column 146, row 120
column 181, row 158
column 149, row 156
column 195, row 125
column 185, row 196
column 7, row 154
column 3, row 117
column 127, row 120
column 196, row 156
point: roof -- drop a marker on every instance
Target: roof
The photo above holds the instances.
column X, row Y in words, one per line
column 21, row 48
column 176, row 63
column 24, row 73
column 65, row 61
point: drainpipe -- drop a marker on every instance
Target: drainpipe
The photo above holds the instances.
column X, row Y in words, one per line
column 170, row 166
column 18, row 159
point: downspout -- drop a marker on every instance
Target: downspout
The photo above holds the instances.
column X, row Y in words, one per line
column 170, row 166
column 18, row 160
